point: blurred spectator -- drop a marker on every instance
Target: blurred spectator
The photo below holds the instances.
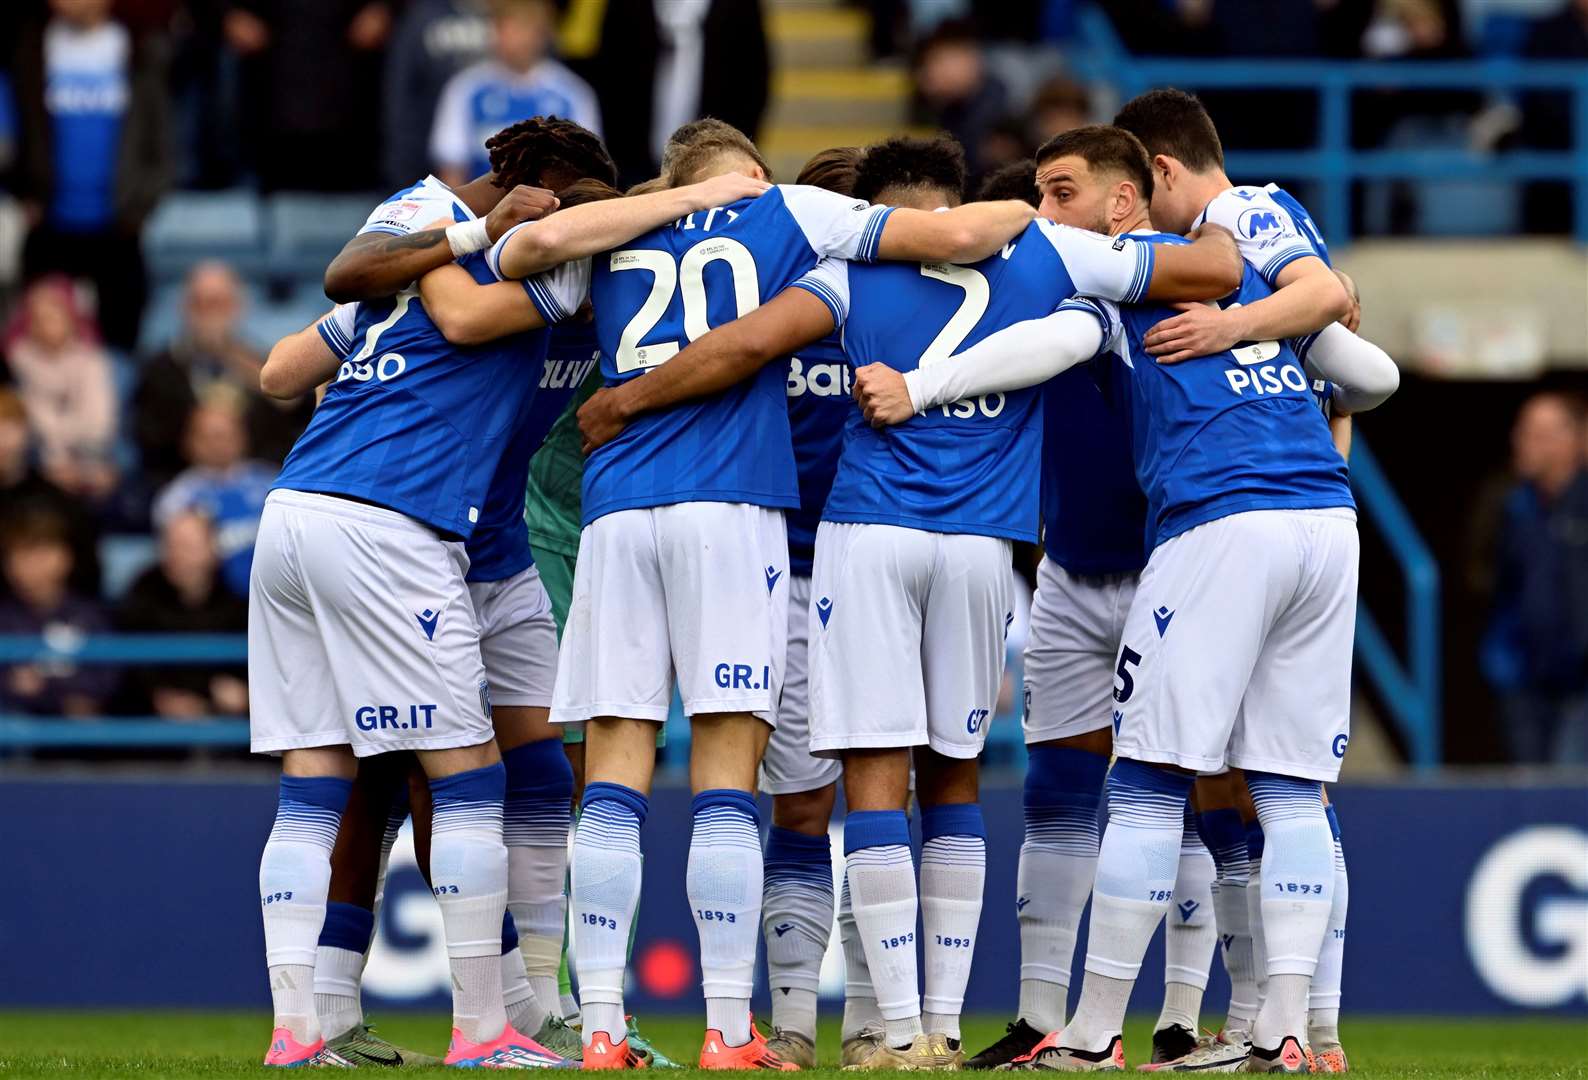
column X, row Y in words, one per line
column 1535, row 653
column 36, row 556
column 663, row 63
column 433, row 41
column 209, row 352
column 183, row 593
column 954, row 91
column 221, row 484
column 24, row 489
column 519, row 81
column 311, row 85
column 64, row 380
column 1061, row 104
column 96, row 159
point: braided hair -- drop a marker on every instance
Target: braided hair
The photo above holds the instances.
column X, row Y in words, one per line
column 547, row 151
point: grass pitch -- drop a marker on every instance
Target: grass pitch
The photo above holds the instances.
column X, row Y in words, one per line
column 225, row 1044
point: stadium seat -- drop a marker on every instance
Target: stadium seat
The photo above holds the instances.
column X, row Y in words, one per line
column 192, row 226
column 305, row 231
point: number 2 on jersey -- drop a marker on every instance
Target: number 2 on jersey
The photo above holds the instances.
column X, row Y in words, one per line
column 688, row 278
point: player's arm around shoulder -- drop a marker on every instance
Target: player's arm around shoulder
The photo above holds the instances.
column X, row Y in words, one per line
column 468, row 313
column 303, row 360
column 595, row 227
column 799, row 315
column 389, row 254
column 965, row 234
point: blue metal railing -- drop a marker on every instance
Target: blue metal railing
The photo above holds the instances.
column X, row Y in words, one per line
column 1334, row 163
column 1411, row 690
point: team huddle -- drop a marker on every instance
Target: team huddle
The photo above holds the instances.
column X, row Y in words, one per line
column 816, row 419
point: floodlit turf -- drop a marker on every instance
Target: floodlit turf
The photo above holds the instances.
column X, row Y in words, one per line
column 156, row 1044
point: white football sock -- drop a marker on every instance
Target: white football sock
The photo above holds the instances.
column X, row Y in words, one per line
column 860, row 1000
column 294, row 878
column 1058, row 864
column 537, row 817
column 881, row 877
column 1323, row 999
column 1136, row 868
column 518, row 997
column 468, row 872
column 953, row 875
column 607, row 869
column 1298, row 892
column 1226, row 838
column 796, row 921
column 339, row 967
column 724, row 880
column 1189, row 934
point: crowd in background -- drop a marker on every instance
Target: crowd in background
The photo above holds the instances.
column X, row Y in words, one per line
column 107, row 105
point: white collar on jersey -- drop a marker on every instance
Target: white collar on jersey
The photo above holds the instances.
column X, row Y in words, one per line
column 433, row 181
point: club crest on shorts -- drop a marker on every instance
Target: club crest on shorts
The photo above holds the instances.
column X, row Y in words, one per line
column 427, row 622
column 485, row 698
column 1162, row 617
column 824, row 610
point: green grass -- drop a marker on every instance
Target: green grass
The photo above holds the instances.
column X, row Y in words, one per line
column 188, row 1044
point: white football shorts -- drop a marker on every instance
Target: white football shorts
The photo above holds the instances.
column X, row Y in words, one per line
column 1237, row 650
column 789, row 767
column 518, row 638
column 698, row 590
column 360, row 632
column 906, row 638
column 1076, row 624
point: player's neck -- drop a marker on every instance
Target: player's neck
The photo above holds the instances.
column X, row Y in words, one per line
column 1135, row 223
column 1209, row 185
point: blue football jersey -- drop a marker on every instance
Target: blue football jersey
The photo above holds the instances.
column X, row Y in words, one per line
column 1094, row 516
column 1226, row 433
column 669, row 287
column 411, row 422
column 818, row 406
column 972, row 466
column 1267, row 229
column 499, row 547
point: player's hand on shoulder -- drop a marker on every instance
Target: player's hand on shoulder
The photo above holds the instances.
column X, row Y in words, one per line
column 523, row 203
column 1199, row 330
column 601, row 419
column 724, row 189
column 882, row 395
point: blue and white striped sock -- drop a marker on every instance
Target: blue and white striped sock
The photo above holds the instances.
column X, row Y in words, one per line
column 1136, row 868
column 537, row 816
column 294, row 877
column 1323, row 999
column 881, row 877
column 1189, row 932
column 1225, row 836
column 607, row 869
column 797, row 921
column 468, row 873
column 1058, row 863
column 339, row 966
column 1254, row 908
column 953, row 874
column 724, row 880
column 1298, row 892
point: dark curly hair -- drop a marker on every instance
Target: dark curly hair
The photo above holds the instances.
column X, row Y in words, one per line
column 907, row 162
column 548, row 151
column 1016, row 180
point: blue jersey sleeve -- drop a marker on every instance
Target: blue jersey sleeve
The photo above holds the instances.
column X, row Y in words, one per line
column 337, row 328
column 828, row 281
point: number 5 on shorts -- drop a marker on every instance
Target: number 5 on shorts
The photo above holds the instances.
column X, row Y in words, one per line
column 1127, row 684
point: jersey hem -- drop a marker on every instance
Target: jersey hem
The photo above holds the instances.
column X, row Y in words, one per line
column 1080, row 568
column 1243, row 506
column 487, row 577
column 952, row 528
column 651, row 502
column 445, row 530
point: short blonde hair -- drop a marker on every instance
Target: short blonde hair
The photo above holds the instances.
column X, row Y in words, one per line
column 695, row 146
